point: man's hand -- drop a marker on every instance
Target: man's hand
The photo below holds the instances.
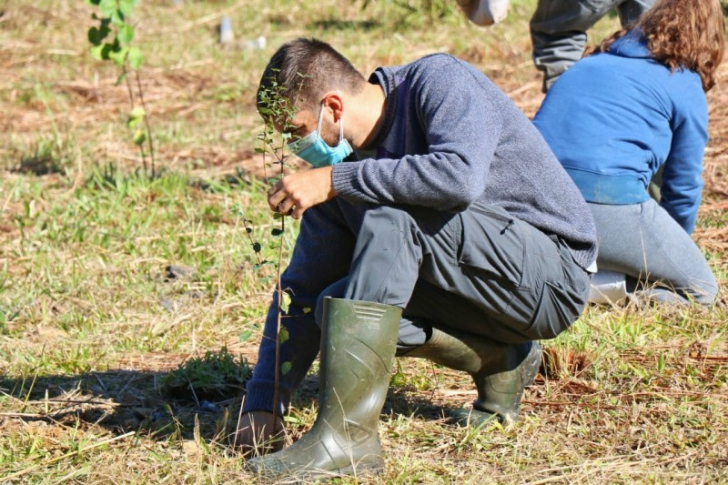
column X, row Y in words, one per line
column 300, row 191
column 255, row 434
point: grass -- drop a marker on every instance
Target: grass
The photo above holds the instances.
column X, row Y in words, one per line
column 92, row 320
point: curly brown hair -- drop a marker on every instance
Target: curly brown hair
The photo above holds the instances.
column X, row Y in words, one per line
column 681, row 34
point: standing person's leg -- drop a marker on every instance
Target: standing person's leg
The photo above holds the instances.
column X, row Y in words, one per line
column 631, row 10
column 644, row 242
column 558, row 33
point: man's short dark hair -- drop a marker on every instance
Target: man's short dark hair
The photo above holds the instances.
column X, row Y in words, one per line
column 303, row 70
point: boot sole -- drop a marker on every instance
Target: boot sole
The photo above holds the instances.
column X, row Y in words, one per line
column 365, row 468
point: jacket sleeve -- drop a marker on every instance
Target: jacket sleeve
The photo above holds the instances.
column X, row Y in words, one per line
column 682, row 177
column 456, row 115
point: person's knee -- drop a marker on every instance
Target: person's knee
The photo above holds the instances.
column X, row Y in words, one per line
column 386, row 223
column 706, row 292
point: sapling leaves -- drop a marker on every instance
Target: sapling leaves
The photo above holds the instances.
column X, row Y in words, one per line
column 135, row 58
column 283, row 335
column 139, row 137
column 111, row 40
column 245, row 335
column 286, row 367
column 119, row 56
column 136, row 116
column 126, row 34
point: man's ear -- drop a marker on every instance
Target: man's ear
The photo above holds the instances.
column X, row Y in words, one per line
column 334, row 101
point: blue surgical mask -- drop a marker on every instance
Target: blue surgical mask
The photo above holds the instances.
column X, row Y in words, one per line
column 316, row 151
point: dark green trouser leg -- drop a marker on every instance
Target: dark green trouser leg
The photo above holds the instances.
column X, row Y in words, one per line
column 357, row 352
column 500, row 371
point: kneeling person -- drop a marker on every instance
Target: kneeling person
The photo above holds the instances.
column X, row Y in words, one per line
column 451, row 232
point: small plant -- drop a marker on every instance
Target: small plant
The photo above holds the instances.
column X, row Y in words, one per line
column 276, row 108
column 112, row 41
column 217, row 375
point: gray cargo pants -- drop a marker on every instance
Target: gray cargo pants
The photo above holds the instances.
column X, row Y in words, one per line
column 481, row 271
column 558, row 30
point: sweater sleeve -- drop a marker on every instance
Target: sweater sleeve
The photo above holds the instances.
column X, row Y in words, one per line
column 682, row 177
column 456, row 116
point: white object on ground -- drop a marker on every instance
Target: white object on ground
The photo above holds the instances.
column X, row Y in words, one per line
column 484, row 12
column 608, row 287
column 255, row 44
column 226, row 30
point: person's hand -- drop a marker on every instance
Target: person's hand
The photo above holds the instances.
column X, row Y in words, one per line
column 295, row 193
column 255, row 434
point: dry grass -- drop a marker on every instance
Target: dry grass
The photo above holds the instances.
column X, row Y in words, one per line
column 91, row 322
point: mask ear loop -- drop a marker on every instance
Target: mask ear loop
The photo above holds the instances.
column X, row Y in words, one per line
column 341, row 129
column 321, row 117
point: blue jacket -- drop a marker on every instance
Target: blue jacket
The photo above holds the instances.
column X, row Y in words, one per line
column 614, row 118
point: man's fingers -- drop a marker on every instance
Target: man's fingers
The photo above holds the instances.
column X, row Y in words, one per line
column 297, row 212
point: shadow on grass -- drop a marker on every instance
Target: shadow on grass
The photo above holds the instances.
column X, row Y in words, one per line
column 131, row 400
column 118, row 400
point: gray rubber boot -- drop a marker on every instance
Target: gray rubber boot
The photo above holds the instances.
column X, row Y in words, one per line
column 500, row 371
column 357, row 352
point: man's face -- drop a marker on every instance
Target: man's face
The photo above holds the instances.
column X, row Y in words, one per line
column 305, row 122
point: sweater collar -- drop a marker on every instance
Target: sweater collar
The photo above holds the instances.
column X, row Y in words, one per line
column 388, row 82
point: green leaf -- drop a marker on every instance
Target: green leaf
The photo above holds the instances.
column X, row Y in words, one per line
column 135, row 117
column 101, row 52
column 283, row 335
column 96, row 35
column 126, row 34
column 107, row 7
column 277, row 215
column 127, row 6
column 256, row 247
column 286, row 303
column 135, row 58
column 138, row 112
column 121, row 78
column 286, row 367
column 92, row 2
column 307, row 310
column 276, row 232
column 117, row 18
column 119, row 56
column 139, row 137
column 245, row 335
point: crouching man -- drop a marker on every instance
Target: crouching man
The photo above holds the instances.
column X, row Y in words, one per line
column 450, row 232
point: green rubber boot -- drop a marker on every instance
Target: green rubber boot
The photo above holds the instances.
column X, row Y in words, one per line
column 500, row 371
column 357, row 353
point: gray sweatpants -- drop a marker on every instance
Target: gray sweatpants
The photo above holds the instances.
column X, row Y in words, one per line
column 558, row 30
column 644, row 242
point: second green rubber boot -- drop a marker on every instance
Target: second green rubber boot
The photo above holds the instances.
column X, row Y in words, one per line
column 357, row 352
column 500, row 372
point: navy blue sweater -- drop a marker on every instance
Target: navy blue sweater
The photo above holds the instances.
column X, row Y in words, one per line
column 614, row 118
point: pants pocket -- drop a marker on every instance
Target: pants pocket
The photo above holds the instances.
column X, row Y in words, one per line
column 492, row 243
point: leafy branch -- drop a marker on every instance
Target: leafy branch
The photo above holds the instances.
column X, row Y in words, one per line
column 112, row 41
